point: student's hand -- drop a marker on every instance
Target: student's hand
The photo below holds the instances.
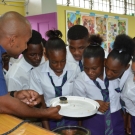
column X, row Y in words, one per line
column 30, row 97
column 53, row 113
column 103, row 106
column 128, row 124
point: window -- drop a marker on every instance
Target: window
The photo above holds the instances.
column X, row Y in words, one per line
column 113, row 6
column 101, row 5
column 130, row 7
column 118, row 6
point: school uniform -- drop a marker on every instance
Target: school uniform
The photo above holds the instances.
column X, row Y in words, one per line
column 70, row 58
column 18, row 76
column 85, row 87
column 45, row 81
column 128, row 96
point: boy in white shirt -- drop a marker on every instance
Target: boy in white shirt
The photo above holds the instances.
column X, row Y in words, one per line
column 78, row 36
column 55, row 77
column 17, row 78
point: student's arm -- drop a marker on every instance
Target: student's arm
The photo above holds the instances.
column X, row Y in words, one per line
column 45, row 122
column 103, row 106
column 13, row 106
column 128, row 123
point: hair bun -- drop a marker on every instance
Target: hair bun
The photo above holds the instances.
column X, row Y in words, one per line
column 95, row 40
column 54, row 34
column 124, row 43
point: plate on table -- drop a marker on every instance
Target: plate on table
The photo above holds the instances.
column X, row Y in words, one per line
column 76, row 106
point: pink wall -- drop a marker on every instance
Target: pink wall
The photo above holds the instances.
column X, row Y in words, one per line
column 43, row 22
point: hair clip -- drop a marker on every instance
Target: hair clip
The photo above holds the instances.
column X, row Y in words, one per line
column 120, row 51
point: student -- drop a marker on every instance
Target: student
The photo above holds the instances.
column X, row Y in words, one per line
column 55, row 77
column 92, row 83
column 78, row 40
column 7, row 62
column 117, row 63
column 13, row 40
column 128, row 96
column 18, row 76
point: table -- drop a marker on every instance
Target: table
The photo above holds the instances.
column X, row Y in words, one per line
column 8, row 122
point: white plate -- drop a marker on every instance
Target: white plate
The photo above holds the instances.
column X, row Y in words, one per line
column 76, row 106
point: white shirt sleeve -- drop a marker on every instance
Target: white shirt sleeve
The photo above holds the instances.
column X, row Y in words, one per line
column 35, row 83
column 13, row 84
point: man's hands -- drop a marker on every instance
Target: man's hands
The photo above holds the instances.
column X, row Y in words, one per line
column 52, row 113
column 103, row 106
column 30, row 97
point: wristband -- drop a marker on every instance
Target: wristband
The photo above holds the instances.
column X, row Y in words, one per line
column 12, row 93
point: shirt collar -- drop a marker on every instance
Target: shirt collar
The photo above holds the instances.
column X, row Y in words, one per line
column 25, row 65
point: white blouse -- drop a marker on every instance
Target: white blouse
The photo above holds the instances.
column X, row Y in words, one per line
column 85, row 87
column 41, row 82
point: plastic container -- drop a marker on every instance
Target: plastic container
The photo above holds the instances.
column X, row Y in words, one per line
column 71, row 130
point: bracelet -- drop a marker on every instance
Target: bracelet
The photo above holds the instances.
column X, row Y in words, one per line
column 12, row 93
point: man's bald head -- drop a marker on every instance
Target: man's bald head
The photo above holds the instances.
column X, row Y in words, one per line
column 13, row 23
column 15, row 31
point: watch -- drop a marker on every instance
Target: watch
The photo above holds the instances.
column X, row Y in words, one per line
column 12, row 93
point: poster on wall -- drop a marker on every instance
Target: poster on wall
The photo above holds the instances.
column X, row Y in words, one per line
column 108, row 27
column 122, row 27
column 73, row 19
column 112, row 32
column 89, row 23
column 101, row 27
